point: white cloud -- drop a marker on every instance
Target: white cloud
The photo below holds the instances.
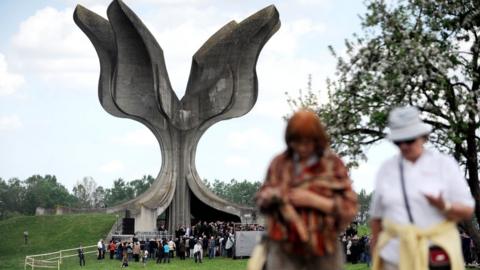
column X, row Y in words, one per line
column 10, row 122
column 112, row 167
column 237, row 162
column 139, row 137
column 50, row 45
column 49, row 32
column 313, row 2
column 288, row 38
column 9, row 82
column 278, row 74
column 87, row 3
column 250, row 138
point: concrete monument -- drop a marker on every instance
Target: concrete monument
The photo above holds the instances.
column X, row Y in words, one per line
column 134, row 84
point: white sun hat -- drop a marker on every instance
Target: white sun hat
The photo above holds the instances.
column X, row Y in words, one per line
column 405, row 124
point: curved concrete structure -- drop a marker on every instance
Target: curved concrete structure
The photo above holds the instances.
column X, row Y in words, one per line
column 134, row 84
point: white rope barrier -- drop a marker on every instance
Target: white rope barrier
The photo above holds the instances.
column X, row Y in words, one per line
column 53, row 260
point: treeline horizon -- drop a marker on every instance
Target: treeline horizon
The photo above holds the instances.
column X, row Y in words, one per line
column 22, row 197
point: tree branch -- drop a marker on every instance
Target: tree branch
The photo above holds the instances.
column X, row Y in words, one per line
column 362, row 131
column 371, row 141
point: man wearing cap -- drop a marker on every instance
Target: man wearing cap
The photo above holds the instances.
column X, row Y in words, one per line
column 420, row 195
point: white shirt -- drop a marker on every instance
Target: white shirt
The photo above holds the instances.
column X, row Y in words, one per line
column 197, row 248
column 432, row 173
column 171, row 245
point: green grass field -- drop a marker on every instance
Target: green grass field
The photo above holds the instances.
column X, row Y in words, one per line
column 215, row 264
column 49, row 234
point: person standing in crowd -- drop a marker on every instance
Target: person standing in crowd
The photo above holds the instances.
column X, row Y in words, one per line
column 100, row 249
column 467, row 255
column 166, row 252
column 151, row 247
column 419, row 196
column 119, row 250
column 348, row 251
column 187, row 245
column 160, row 253
column 145, row 257
column 171, row 248
column 365, row 250
column 124, row 255
column 136, row 251
column 198, row 251
column 111, row 248
column 81, row 255
column 25, row 236
column 229, row 245
column 308, row 199
column 104, row 249
column 205, row 243
column 211, row 248
column 181, row 249
column 221, row 245
column 355, row 249
column 191, row 243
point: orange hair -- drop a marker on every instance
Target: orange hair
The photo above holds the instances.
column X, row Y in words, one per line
column 305, row 124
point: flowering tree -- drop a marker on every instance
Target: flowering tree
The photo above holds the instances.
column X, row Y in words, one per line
column 419, row 52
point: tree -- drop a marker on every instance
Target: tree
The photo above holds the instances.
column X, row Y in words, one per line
column 120, row 192
column 364, row 205
column 45, row 192
column 12, row 195
column 238, row 192
column 419, row 52
column 141, row 185
column 85, row 192
column 99, row 197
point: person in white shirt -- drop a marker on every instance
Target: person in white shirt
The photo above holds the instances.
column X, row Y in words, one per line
column 434, row 188
column 100, row 249
column 198, row 251
column 145, row 258
column 172, row 247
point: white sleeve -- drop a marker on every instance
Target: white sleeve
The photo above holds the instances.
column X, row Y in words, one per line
column 457, row 188
column 376, row 208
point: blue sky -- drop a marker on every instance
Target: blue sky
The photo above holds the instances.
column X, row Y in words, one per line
column 51, row 121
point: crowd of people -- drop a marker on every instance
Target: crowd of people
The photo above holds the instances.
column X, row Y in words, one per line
column 356, row 248
column 204, row 239
column 216, row 239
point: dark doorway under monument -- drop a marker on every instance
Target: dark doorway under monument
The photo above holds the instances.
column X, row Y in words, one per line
column 202, row 211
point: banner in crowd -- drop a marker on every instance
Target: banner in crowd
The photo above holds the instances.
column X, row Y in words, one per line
column 245, row 241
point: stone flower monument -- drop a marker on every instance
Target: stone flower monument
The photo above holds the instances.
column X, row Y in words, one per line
column 134, row 84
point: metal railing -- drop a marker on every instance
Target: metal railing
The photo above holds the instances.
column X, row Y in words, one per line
column 53, row 260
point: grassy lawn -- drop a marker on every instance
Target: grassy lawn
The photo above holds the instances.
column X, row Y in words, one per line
column 215, row 264
column 49, row 234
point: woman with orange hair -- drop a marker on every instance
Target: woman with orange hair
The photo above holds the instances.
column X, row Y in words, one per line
column 307, row 198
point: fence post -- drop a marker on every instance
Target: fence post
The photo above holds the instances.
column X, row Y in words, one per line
column 60, row 256
column 58, row 262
